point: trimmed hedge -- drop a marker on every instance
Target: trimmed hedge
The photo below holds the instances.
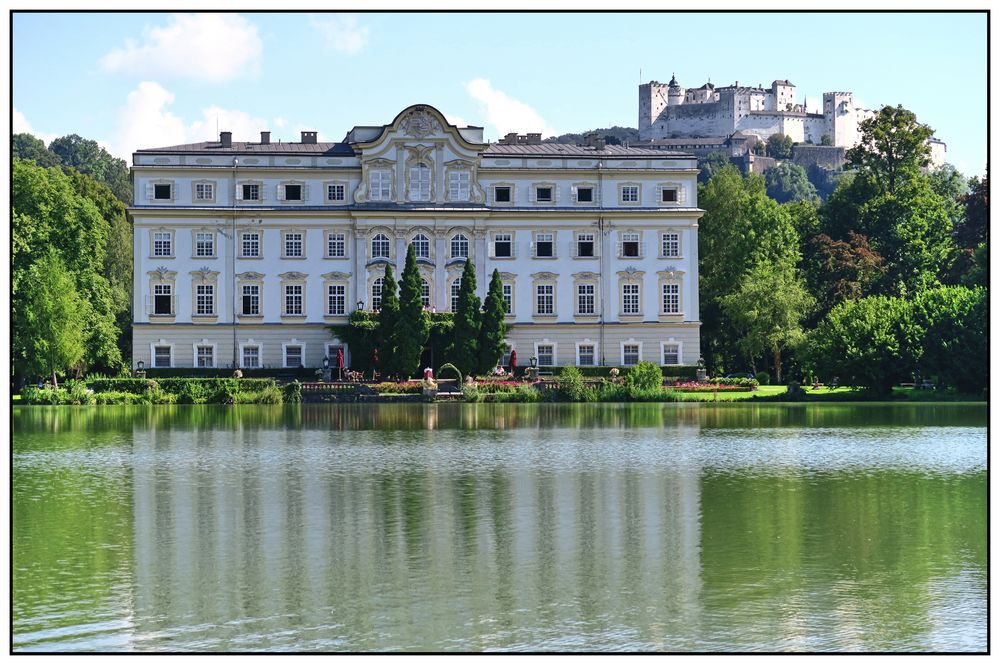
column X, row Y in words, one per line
column 180, row 386
column 300, row 373
column 603, row 371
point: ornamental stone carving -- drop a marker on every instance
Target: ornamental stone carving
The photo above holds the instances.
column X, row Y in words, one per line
column 419, row 124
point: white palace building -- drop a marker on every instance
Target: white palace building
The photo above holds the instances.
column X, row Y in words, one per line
column 247, row 252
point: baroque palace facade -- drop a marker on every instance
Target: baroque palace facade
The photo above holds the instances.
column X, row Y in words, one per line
column 246, row 253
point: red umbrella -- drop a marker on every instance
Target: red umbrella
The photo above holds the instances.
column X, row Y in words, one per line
column 340, row 359
column 513, row 361
column 375, row 356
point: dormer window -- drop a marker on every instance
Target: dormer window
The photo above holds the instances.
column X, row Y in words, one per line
column 420, row 182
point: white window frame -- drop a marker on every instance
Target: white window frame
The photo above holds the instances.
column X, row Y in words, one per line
column 284, row 353
column 625, row 194
column 260, row 299
column 626, row 236
column 198, row 240
column 555, row 352
column 455, row 240
column 198, row 191
column 551, row 235
column 333, row 184
column 510, row 187
column 506, row 287
column 215, row 353
column 250, row 344
column 329, row 298
column 630, row 342
column 380, row 282
column 638, row 297
column 592, row 295
column 283, row 191
column 663, row 245
column 663, row 350
column 380, row 184
column 425, row 243
column 153, row 240
column 663, row 298
column 197, row 304
column 161, row 283
column 584, row 185
column 419, row 189
column 553, row 193
column 459, row 184
column 578, row 238
column 244, row 241
column 330, row 238
column 388, row 246
column 151, row 190
column 551, row 295
column 286, row 239
column 597, row 357
column 241, row 191
column 454, row 291
column 510, row 240
column 285, row 295
column 152, row 353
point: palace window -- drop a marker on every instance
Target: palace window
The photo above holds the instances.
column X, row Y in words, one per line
column 336, row 192
column 377, row 294
column 670, row 245
column 204, row 356
column 336, row 245
column 293, row 192
column 205, row 299
column 501, row 194
column 251, row 192
column 585, row 354
column 508, row 298
column 544, row 245
column 668, row 195
column 251, row 356
column 630, row 193
column 161, row 356
column 251, row 300
column 630, row 298
column 545, row 299
column 293, row 245
column 421, row 246
column 584, row 194
column 585, row 244
column 671, row 298
column 336, row 299
column 420, row 183
column 204, row 244
column 250, row 245
column 204, row 191
column 425, row 294
column 162, row 192
column 543, row 194
column 546, row 355
column 163, row 299
column 456, row 288
column 293, row 300
column 630, row 245
column 293, row 355
column 459, row 246
column 380, row 246
column 671, row 354
column 380, row 184
column 503, row 246
column 585, row 299
column 630, row 354
column 458, row 185
column 163, row 243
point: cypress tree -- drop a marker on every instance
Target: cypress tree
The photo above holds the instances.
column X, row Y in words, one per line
column 465, row 334
column 388, row 317
column 413, row 325
column 493, row 329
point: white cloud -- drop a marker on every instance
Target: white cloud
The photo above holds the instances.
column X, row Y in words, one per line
column 342, row 33
column 207, row 47
column 279, row 122
column 146, row 122
column 504, row 113
column 814, row 105
column 22, row 126
column 456, row 120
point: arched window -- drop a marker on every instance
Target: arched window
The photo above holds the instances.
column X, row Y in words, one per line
column 456, row 286
column 459, row 246
column 421, row 246
column 425, row 294
column 380, row 246
column 377, row 294
column 420, row 182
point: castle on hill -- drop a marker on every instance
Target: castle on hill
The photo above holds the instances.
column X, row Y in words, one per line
column 668, row 112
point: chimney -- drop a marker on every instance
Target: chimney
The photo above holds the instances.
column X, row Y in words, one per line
column 510, row 138
column 265, row 138
column 226, row 139
column 308, row 137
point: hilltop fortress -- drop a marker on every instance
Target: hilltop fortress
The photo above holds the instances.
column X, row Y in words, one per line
column 668, row 112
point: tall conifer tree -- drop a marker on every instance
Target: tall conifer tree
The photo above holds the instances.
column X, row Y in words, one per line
column 413, row 325
column 465, row 334
column 388, row 317
column 493, row 329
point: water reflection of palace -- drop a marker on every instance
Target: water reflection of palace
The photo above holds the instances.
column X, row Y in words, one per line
column 267, row 531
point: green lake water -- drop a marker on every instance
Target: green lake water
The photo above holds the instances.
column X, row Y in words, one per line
column 468, row 527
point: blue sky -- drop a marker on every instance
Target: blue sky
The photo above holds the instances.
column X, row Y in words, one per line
column 145, row 80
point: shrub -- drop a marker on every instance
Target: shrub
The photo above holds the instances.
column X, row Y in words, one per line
column 392, row 388
column 736, row 381
column 117, row 398
column 293, row 392
column 571, row 383
column 471, row 393
column 644, row 376
column 763, row 378
column 270, row 395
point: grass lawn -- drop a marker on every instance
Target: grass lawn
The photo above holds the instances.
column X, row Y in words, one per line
column 734, row 395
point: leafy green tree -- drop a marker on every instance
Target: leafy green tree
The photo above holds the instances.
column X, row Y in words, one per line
column 88, row 157
column 388, row 324
column 893, row 148
column 413, row 325
column 823, row 179
column 742, row 228
column 838, row 270
column 27, row 147
column 788, row 182
column 863, row 343
column 951, row 323
column 493, row 330
column 464, row 351
column 779, row 146
column 645, row 376
column 767, row 312
column 948, row 183
column 976, row 221
column 52, row 328
column 826, row 139
column 712, row 164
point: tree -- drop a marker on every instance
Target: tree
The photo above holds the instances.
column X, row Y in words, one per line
column 52, row 330
column 826, row 139
column 465, row 341
column 767, row 311
column 893, row 146
column 779, row 146
column 27, row 147
column 388, row 318
column 838, row 270
column 951, row 324
column 788, row 182
column 823, row 179
column 493, row 331
column 712, row 164
column 413, row 325
column 88, row 157
column 974, row 228
column 863, row 343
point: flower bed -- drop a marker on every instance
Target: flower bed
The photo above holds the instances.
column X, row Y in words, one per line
column 694, row 387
